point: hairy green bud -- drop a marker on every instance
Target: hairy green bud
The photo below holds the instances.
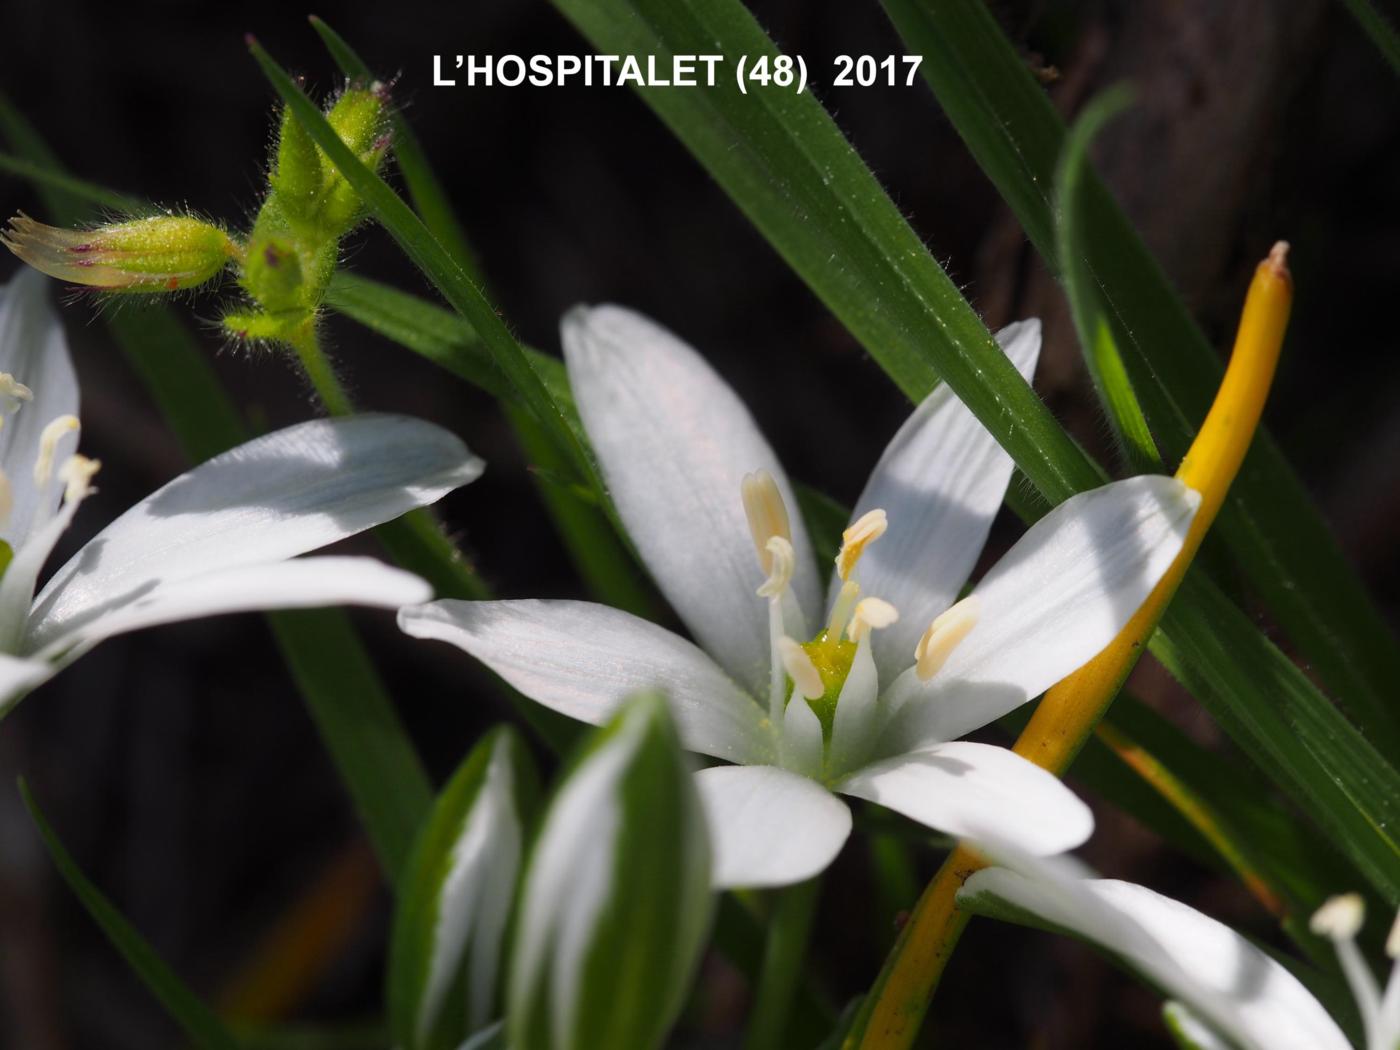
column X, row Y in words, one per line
column 298, row 177
column 162, row 253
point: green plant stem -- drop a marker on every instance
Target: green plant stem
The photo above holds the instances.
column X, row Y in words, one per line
column 784, row 960
column 319, row 371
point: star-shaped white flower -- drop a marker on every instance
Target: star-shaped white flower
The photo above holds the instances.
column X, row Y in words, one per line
column 884, row 674
column 221, row 538
column 1226, row 993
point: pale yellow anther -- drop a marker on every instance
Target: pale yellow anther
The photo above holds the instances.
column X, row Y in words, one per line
column 76, row 475
column 48, row 443
column 12, row 392
column 943, row 635
column 1340, row 918
column 781, row 561
column 7, row 497
column 861, row 533
column 842, row 608
column 767, row 514
column 1392, row 941
column 872, row 614
column 806, row 679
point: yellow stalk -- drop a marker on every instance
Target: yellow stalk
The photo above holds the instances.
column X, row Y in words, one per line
column 1072, row 708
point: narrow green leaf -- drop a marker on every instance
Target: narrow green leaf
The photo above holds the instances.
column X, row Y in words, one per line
column 1378, row 28
column 607, row 567
column 359, row 727
column 418, row 543
column 41, row 174
column 456, row 896
column 1082, row 288
column 617, row 898
column 430, row 257
column 1330, row 770
column 341, row 688
column 1274, row 532
column 1295, row 858
column 438, row 335
column 787, row 166
column 184, row 1007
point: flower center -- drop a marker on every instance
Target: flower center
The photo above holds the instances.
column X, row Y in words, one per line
column 44, row 526
column 818, row 669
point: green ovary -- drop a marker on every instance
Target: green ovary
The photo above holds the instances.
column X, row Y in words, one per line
column 832, row 658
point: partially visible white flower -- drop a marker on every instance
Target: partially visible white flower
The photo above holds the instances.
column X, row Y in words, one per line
column 863, row 693
column 1225, row 988
column 221, row 538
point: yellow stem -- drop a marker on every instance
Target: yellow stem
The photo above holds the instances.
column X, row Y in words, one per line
column 1072, row 708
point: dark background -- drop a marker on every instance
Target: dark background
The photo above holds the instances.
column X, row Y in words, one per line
column 179, row 765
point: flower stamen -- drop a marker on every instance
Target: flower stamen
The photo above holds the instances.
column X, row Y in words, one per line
column 944, row 634
column 872, row 614
column 767, row 514
column 842, row 608
column 48, row 444
column 781, row 562
column 806, row 679
column 7, row 497
column 1340, row 918
column 12, row 392
column 76, row 475
column 862, row 532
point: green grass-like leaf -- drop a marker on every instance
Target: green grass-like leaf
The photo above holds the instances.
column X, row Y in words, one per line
column 1273, row 531
column 1082, row 288
column 185, row 1008
column 1378, row 29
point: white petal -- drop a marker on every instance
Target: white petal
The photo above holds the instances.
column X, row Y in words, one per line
column 1223, row 978
column 585, row 659
column 940, row 481
column 475, row 895
column 857, row 714
column 301, row 583
column 674, row 443
column 980, row 793
column 272, row 498
column 34, row 350
column 19, row 676
column 801, row 745
column 1060, row 595
column 770, row 827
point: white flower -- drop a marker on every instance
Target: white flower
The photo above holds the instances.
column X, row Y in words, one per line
column 221, row 538
column 1227, row 994
column 701, row 492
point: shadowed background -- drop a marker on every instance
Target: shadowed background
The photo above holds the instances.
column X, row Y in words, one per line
column 179, row 765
